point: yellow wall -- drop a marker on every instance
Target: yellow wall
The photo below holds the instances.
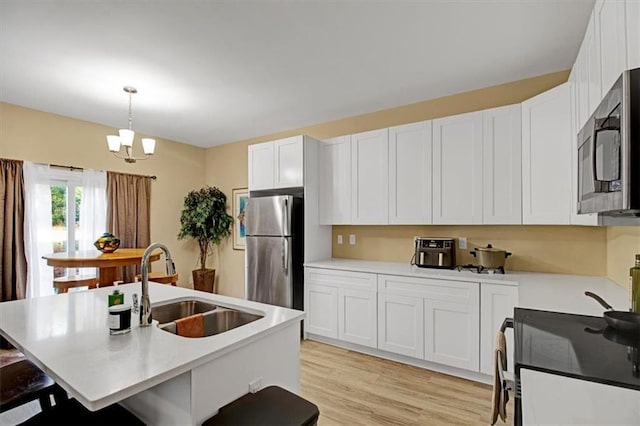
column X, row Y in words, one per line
column 623, row 243
column 31, row 135
column 561, row 249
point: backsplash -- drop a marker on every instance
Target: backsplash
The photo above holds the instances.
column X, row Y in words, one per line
column 576, row 250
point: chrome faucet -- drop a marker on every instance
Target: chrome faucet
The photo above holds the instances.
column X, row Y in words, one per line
column 145, row 302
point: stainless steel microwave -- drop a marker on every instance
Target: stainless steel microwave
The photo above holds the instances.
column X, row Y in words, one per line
column 609, row 152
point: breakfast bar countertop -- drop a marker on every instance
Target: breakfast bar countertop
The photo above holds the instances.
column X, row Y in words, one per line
column 67, row 336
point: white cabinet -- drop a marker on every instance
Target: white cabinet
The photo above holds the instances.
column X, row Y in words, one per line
column 496, row 303
column 502, row 170
column 611, row 31
column 546, row 157
column 435, row 318
column 400, row 324
column 370, row 177
column 334, row 160
column 276, row 164
column 457, row 169
column 341, row 305
column 587, row 67
column 410, row 173
column 632, row 12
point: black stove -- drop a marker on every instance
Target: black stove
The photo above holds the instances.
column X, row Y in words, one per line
column 480, row 269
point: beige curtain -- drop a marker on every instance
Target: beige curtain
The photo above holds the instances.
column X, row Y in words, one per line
column 13, row 262
column 128, row 213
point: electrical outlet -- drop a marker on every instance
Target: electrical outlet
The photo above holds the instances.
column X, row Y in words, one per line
column 340, row 239
column 255, row 385
column 352, row 239
column 462, row 243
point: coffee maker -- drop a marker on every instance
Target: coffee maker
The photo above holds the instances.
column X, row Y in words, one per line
column 435, row 253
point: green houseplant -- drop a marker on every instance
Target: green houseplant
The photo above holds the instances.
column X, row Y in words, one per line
column 204, row 218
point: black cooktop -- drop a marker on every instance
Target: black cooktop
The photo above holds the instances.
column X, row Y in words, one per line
column 577, row 346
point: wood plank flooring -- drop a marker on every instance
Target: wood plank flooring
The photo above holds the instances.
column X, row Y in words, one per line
column 353, row 388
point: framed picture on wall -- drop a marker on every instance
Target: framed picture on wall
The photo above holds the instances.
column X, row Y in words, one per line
column 240, row 197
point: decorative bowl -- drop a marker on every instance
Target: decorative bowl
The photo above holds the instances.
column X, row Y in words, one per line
column 107, row 243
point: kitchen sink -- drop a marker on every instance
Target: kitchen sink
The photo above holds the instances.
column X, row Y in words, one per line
column 176, row 310
column 218, row 321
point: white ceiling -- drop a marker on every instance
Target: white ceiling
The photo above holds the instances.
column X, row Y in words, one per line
column 213, row 72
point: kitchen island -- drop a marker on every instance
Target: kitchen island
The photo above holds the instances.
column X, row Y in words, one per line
column 161, row 377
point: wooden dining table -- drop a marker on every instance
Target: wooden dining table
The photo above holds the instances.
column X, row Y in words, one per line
column 109, row 264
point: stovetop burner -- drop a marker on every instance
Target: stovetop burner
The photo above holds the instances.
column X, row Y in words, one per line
column 480, row 269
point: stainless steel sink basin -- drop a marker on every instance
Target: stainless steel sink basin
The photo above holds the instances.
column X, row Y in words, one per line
column 176, row 310
column 219, row 320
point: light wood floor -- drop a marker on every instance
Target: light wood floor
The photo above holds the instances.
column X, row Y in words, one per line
column 352, row 388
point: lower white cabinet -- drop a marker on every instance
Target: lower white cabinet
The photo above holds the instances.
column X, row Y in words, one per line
column 401, row 325
column 496, row 303
column 341, row 305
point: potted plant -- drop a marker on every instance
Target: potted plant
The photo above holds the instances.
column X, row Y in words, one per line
column 204, row 218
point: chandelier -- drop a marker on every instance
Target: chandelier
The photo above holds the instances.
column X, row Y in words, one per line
column 125, row 138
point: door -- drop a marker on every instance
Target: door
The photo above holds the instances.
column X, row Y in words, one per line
column 321, row 307
column 546, row 157
column 457, row 169
column 357, row 316
column 410, row 151
column 497, row 303
column 335, row 181
column 269, row 270
column 502, row 165
column 369, row 177
column 269, row 215
column 452, row 335
column 261, row 166
column 400, row 324
column 288, row 168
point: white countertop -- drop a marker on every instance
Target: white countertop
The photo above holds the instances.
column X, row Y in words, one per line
column 551, row 292
column 67, row 336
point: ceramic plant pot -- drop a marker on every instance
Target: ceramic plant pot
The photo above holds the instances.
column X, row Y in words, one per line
column 107, row 243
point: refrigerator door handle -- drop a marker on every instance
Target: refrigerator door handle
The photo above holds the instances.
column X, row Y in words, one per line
column 285, row 256
column 285, row 217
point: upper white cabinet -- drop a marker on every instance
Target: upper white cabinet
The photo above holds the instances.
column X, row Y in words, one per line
column 546, row 157
column 410, row 173
column 587, row 67
column 335, row 181
column 611, row 31
column 457, row 169
column 633, row 33
column 276, row 164
column 502, row 165
column 370, row 177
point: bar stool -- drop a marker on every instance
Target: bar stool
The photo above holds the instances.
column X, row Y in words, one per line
column 161, row 278
column 22, row 382
column 272, row 405
column 63, row 284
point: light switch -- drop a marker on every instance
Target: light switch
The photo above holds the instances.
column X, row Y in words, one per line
column 352, row 239
column 339, row 238
column 462, row 243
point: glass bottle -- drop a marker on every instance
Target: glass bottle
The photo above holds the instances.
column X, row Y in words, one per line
column 634, row 274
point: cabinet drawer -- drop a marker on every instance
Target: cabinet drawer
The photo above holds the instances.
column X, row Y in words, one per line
column 449, row 291
column 343, row 279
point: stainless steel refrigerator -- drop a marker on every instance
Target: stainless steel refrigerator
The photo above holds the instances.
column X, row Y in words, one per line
column 275, row 250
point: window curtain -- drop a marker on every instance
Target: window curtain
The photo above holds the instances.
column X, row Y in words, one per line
column 13, row 263
column 38, row 237
column 93, row 208
column 128, row 213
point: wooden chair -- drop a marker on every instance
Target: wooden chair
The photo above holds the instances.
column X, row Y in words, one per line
column 22, row 382
column 161, row 278
column 63, row 284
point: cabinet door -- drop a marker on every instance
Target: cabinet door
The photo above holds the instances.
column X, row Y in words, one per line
column 321, row 307
column 611, row 31
column 370, row 177
column 457, row 169
column 289, row 161
column 357, row 317
column 592, row 65
column 633, row 33
column 546, row 157
column 261, row 166
column 400, row 324
column 452, row 336
column 502, row 170
column 410, row 173
column 335, row 181
column 496, row 304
